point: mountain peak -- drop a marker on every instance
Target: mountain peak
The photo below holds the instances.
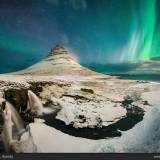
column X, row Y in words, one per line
column 58, row 50
column 58, row 62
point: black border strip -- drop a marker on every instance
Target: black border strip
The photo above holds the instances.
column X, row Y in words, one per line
column 81, row 156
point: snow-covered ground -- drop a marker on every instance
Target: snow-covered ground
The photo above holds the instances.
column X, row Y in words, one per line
column 144, row 137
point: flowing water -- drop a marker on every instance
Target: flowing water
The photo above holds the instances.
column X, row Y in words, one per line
column 13, row 127
column 34, row 103
column 17, row 120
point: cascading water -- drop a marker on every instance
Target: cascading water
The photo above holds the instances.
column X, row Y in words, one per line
column 34, row 104
column 7, row 135
column 17, row 120
column 13, row 124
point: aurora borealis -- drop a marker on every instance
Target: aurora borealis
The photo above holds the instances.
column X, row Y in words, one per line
column 97, row 31
column 144, row 39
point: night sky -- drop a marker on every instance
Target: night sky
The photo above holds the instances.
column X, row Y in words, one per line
column 99, row 31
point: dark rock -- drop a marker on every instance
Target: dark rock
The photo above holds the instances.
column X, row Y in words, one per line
column 87, row 90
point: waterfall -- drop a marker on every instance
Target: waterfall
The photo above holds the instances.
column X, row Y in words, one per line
column 17, row 120
column 7, row 129
column 13, row 125
column 34, row 104
column 8, row 107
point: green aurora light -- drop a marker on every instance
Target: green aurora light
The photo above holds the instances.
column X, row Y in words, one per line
column 145, row 37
